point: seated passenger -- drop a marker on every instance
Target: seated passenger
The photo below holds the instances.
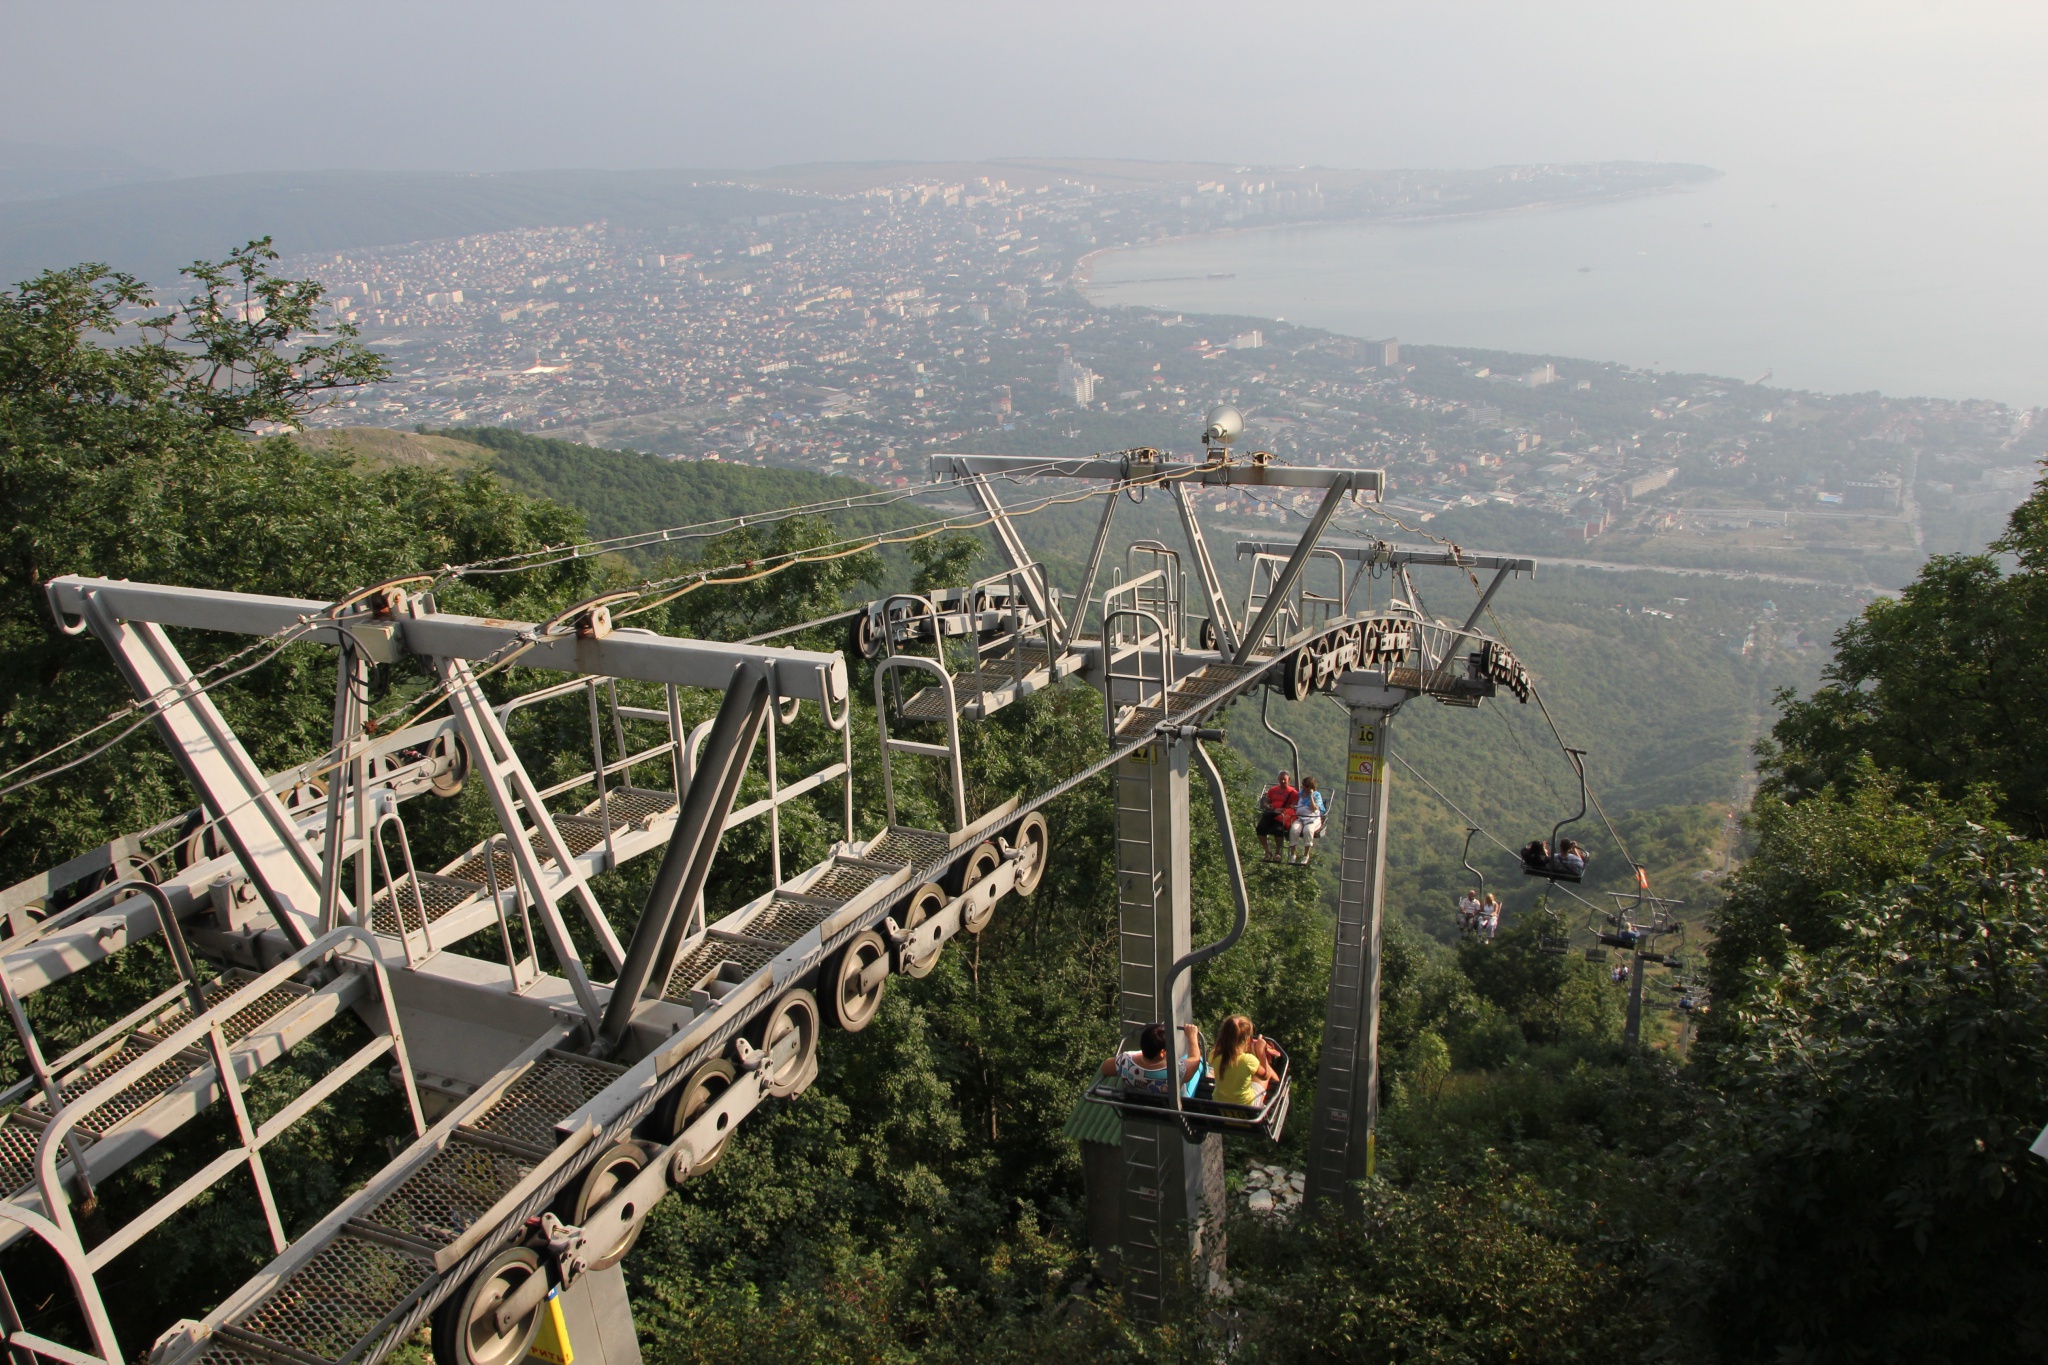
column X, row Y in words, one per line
column 1571, row 858
column 1276, row 812
column 1536, row 854
column 1469, row 906
column 1243, row 1064
column 1146, row 1069
column 1489, row 915
column 1309, row 810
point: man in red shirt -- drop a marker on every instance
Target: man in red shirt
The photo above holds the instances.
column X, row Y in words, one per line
column 1276, row 812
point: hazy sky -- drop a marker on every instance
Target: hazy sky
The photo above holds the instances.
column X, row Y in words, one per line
column 200, row 87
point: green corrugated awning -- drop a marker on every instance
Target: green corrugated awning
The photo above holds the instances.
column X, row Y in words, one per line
column 1092, row 1122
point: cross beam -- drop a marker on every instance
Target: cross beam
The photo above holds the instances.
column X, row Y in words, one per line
column 1212, row 474
column 805, row 675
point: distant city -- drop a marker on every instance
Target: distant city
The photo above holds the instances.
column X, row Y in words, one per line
column 858, row 329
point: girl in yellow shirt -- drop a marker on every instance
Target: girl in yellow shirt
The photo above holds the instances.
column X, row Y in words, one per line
column 1242, row 1063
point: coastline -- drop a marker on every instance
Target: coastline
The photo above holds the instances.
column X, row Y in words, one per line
column 1083, row 273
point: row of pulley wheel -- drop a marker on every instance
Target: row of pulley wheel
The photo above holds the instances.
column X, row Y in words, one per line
column 468, row 1328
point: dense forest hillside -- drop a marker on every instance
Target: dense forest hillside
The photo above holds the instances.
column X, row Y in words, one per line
column 1835, row 1171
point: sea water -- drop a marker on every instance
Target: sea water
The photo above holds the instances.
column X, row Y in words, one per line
column 1827, row 277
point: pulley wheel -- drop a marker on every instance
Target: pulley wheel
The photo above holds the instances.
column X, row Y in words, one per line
column 924, row 902
column 305, row 794
column 854, row 1005
column 866, row 637
column 610, row 1173
column 449, row 783
column 976, row 866
column 1209, row 638
column 1034, row 840
column 795, row 1014
column 1300, row 677
column 465, row 1327
column 687, row 1103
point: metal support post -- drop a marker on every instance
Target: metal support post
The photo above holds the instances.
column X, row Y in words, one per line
column 351, row 690
column 1170, row 1216
column 1081, row 600
column 1290, row 574
column 1205, row 569
column 1632, row 1029
column 1347, row 1087
column 250, row 816
column 1035, row 588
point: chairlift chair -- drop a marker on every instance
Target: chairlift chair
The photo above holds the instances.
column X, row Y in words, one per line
column 1552, row 868
column 1201, row 1113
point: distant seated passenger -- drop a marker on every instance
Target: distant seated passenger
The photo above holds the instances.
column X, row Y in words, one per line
column 1147, row 1068
column 1243, row 1063
column 1536, row 854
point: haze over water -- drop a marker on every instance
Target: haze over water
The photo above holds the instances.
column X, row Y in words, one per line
column 1828, row 275
column 1902, row 141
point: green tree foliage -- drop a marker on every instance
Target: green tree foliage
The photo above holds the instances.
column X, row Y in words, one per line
column 1947, row 684
column 1863, row 1181
column 945, row 560
column 1479, row 1267
column 133, row 459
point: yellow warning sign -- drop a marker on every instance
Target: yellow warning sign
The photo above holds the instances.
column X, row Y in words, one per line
column 551, row 1344
column 1364, row 768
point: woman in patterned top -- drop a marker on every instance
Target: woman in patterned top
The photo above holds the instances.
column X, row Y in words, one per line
column 1146, row 1069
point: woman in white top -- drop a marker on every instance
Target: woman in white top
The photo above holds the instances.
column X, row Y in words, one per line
column 1308, row 823
column 1489, row 915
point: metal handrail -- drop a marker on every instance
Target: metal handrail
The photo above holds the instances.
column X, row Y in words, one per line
column 1110, row 659
column 886, row 670
column 206, row 1024
column 92, row 1307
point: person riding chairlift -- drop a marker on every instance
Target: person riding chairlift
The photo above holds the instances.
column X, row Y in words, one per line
column 1489, row 915
column 1570, row 858
column 1469, row 908
column 1242, row 1063
column 1309, row 811
column 1276, row 812
column 1146, row 1069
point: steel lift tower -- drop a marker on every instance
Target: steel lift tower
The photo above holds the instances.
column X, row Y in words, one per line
column 561, row 1063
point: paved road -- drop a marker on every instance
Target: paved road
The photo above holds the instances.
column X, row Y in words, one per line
column 1756, row 576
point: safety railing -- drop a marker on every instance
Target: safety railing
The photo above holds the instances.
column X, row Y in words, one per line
column 1304, row 608
column 1016, row 630
column 602, row 768
column 71, row 1254
column 887, row 676
column 1145, row 688
column 206, row 1028
column 1160, row 585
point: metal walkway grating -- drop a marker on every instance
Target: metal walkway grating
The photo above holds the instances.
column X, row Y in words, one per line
column 908, row 847
column 929, row 704
column 843, row 881
column 333, row 1304
column 786, row 921
column 243, row 1021
column 219, row 1352
column 550, row 1090
column 635, row 807
column 444, row 1198
column 707, row 957
column 131, row 1099
column 440, row 894
column 18, row 1144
